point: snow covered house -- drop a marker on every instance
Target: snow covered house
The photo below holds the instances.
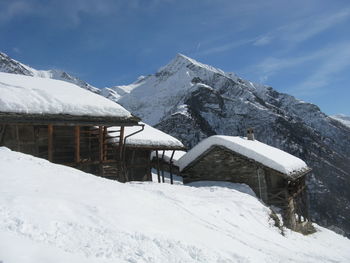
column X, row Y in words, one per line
column 143, row 143
column 276, row 177
column 62, row 122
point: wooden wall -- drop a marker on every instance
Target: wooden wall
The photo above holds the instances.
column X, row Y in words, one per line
column 138, row 164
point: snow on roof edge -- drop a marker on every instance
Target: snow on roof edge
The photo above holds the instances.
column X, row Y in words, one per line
column 33, row 95
column 150, row 137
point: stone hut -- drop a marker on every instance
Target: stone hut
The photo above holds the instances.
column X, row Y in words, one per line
column 142, row 144
column 63, row 123
column 275, row 176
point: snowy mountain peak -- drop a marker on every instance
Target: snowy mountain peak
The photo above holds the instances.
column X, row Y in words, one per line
column 181, row 61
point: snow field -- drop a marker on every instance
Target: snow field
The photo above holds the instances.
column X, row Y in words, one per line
column 53, row 213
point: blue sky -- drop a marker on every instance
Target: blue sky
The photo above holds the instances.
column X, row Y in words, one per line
column 298, row 47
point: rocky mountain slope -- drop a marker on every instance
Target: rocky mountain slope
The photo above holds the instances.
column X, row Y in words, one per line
column 191, row 101
column 10, row 65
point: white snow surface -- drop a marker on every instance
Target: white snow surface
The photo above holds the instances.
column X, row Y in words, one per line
column 25, row 94
column 150, row 136
column 52, row 213
column 265, row 154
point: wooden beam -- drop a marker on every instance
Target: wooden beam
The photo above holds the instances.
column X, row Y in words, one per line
column 104, row 143
column 17, row 139
column 100, row 149
column 121, row 143
column 171, row 168
column 100, row 139
column 50, row 142
column 77, row 143
column 157, row 156
column 163, row 166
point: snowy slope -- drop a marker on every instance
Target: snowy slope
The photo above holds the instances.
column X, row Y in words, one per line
column 52, row 213
column 192, row 101
column 9, row 65
column 342, row 118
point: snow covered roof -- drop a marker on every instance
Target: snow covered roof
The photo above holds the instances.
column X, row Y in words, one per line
column 151, row 138
column 40, row 96
column 262, row 153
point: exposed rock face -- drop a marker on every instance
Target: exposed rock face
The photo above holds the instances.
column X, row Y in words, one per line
column 192, row 101
column 10, row 65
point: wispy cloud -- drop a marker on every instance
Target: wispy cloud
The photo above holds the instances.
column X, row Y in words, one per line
column 301, row 30
column 12, row 9
column 225, row 47
column 273, row 65
column 70, row 12
column 262, row 41
column 289, row 35
column 323, row 66
column 336, row 63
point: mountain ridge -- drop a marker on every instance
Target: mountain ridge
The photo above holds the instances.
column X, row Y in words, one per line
column 9, row 65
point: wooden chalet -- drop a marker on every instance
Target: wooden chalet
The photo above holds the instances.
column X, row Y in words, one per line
column 139, row 144
column 275, row 176
column 62, row 123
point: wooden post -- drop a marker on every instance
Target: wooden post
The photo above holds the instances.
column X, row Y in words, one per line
column 100, row 138
column 122, row 173
column 50, row 142
column 17, row 139
column 105, row 143
column 163, row 166
column 77, row 144
column 171, row 167
column 121, row 143
column 132, row 167
column 157, row 156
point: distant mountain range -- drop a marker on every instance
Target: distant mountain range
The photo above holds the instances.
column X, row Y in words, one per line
column 10, row 65
column 192, row 101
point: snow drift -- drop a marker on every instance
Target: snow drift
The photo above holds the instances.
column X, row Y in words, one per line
column 53, row 213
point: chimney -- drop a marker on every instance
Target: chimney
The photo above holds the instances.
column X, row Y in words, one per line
column 250, row 134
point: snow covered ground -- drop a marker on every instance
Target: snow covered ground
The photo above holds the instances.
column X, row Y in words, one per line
column 52, row 213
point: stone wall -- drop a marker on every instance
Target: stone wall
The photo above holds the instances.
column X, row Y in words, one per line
column 221, row 164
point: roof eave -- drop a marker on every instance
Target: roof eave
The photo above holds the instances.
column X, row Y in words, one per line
column 155, row 147
column 66, row 119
